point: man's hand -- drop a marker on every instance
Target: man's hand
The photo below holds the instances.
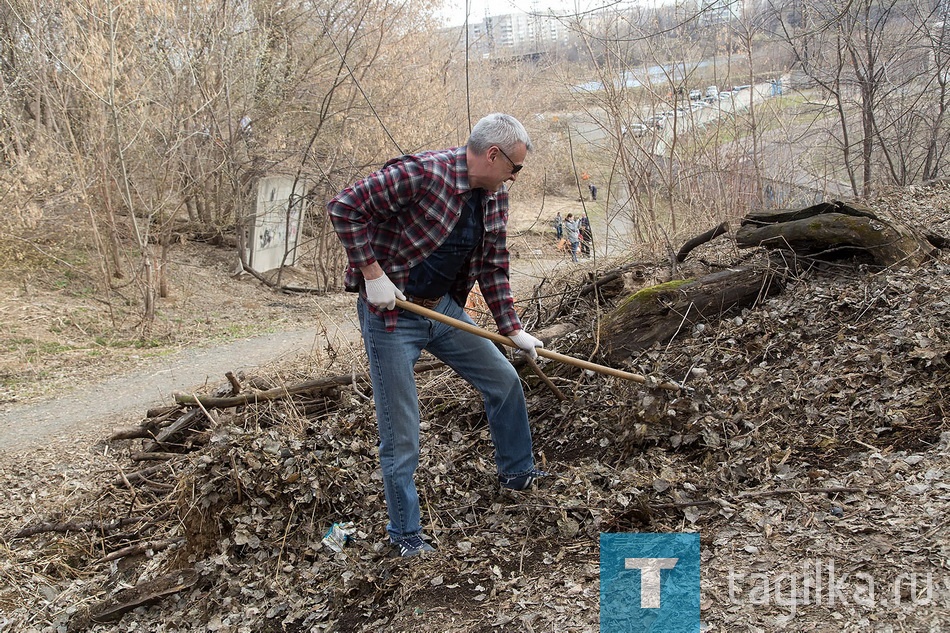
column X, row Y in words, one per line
column 382, row 293
column 526, row 342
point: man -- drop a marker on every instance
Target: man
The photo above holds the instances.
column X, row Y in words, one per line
column 425, row 228
column 586, row 235
column 572, row 235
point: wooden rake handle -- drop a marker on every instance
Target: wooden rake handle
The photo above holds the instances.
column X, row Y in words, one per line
column 504, row 340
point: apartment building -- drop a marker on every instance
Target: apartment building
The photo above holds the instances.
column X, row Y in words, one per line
column 517, row 33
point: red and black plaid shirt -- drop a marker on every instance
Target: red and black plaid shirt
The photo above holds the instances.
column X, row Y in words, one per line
column 400, row 214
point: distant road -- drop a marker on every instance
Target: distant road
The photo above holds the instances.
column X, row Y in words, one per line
column 590, row 131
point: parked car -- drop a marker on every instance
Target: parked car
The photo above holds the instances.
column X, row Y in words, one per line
column 636, row 129
column 725, row 95
column 695, row 95
column 712, row 91
column 657, row 121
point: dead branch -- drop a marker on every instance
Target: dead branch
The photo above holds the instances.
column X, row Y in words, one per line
column 700, row 239
column 125, row 600
column 139, row 475
column 75, row 526
column 235, row 385
column 611, row 275
column 778, row 492
column 161, row 413
column 277, row 393
column 142, row 456
column 130, row 433
column 182, row 423
column 141, row 548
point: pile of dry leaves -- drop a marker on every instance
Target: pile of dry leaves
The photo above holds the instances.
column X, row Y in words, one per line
column 809, row 449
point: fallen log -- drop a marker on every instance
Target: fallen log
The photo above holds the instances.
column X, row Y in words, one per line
column 835, row 229
column 658, row 313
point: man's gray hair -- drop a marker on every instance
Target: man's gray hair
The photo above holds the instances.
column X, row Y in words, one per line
column 501, row 130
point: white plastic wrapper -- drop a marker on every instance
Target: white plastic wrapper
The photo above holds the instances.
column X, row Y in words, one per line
column 338, row 535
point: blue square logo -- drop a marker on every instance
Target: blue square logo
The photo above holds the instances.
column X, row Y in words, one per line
column 649, row 583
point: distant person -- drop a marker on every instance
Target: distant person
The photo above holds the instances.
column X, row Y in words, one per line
column 424, row 229
column 593, row 191
column 558, row 226
column 587, row 236
column 572, row 234
column 245, row 129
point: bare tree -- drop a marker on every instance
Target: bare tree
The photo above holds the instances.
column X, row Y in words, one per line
column 879, row 64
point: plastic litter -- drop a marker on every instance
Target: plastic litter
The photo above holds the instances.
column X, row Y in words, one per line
column 338, row 535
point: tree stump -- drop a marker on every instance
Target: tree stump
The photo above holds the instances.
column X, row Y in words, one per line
column 659, row 313
column 833, row 230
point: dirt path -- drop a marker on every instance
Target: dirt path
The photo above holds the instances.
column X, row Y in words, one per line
column 93, row 410
column 88, row 412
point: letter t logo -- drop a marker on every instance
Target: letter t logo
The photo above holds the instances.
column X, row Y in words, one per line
column 649, row 578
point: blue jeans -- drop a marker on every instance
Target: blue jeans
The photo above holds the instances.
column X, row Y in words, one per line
column 477, row 360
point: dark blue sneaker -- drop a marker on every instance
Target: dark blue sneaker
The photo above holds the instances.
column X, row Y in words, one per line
column 523, row 481
column 411, row 545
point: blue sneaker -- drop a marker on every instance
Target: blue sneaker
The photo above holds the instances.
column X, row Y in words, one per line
column 411, row 545
column 523, row 481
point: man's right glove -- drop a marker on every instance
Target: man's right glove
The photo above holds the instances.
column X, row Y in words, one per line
column 526, row 343
column 382, row 293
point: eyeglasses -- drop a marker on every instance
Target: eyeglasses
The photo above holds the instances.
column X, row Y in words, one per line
column 514, row 168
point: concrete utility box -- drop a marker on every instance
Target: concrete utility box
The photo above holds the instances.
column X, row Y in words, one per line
column 273, row 229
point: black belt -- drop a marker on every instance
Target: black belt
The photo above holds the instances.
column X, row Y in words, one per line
column 425, row 303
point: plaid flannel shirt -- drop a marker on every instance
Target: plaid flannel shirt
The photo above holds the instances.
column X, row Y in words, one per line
column 399, row 215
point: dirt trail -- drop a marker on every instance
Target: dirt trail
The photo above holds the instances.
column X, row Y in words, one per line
column 95, row 409
column 89, row 412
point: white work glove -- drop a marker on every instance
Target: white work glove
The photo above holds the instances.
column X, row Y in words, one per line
column 526, row 342
column 382, row 293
